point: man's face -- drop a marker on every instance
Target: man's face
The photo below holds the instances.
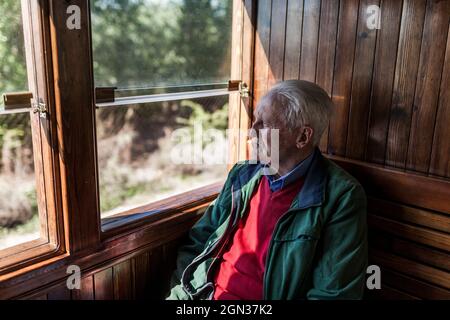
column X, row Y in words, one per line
column 272, row 135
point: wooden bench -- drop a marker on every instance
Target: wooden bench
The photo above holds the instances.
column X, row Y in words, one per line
column 409, row 231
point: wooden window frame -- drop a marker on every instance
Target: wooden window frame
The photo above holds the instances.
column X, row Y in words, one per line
column 65, row 83
column 51, row 242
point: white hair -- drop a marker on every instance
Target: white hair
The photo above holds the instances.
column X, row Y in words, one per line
column 302, row 103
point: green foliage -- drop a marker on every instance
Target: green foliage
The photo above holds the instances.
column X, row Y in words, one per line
column 144, row 43
column 206, row 25
column 13, row 76
column 209, row 120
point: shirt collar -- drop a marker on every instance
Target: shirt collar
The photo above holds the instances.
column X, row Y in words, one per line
column 298, row 172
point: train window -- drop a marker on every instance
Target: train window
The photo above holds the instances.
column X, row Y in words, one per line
column 169, row 62
column 161, row 45
column 149, row 152
column 28, row 223
column 19, row 221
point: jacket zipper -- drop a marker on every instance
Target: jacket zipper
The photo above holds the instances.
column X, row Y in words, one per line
column 226, row 235
column 214, row 246
column 269, row 249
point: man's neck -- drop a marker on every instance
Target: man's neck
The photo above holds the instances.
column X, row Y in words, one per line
column 289, row 163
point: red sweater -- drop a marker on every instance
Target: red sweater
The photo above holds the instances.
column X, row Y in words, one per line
column 241, row 271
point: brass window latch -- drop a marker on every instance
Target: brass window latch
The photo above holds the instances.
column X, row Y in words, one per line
column 238, row 85
column 41, row 108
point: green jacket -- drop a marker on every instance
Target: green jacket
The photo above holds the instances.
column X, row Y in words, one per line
column 318, row 248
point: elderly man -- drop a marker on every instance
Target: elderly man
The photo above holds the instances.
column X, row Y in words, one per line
column 298, row 234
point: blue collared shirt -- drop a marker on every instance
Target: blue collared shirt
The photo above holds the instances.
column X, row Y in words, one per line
column 299, row 171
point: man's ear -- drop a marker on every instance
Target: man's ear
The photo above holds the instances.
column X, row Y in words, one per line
column 305, row 137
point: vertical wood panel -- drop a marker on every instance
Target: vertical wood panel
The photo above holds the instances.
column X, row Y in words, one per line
column 308, row 57
column 246, row 112
column 156, row 258
column 348, row 16
column 404, row 81
column 361, row 84
column 61, row 292
column 262, row 46
column 123, row 281
column 294, row 24
column 142, row 276
column 440, row 156
column 170, row 254
column 383, row 80
column 277, row 42
column 75, row 112
column 428, row 83
column 86, row 291
column 236, row 74
column 326, row 52
column 103, row 285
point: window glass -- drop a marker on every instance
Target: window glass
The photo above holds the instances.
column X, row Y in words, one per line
column 161, row 44
column 19, row 219
column 146, row 47
column 153, row 151
column 13, row 69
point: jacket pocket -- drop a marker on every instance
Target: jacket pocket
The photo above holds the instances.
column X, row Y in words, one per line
column 299, row 234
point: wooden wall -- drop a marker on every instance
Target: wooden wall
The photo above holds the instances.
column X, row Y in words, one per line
column 145, row 276
column 391, row 88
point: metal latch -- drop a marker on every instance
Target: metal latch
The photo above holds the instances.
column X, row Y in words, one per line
column 244, row 90
column 238, row 85
column 40, row 107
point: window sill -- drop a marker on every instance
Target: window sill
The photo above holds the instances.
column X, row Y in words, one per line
column 192, row 200
column 26, row 254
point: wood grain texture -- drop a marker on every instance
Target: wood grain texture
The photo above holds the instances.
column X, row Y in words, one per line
column 383, row 80
column 248, row 52
column 236, row 74
column 413, row 286
column 60, row 292
column 123, row 281
column 398, row 186
column 396, row 211
column 311, row 19
column 408, row 267
column 294, row 23
column 410, row 250
column 405, row 82
column 343, row 71
column 427, row 86
column 435, row 239
column 262, row 45
column 361, row 84
column 326, row 52
column 388, row 293
column 74, row 100
column 142, row 276
column 277, row 42
column 86, row 291
column 103, row 285
column 440, row 155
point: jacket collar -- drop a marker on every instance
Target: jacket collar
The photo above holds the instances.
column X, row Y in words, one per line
column 313, row 190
